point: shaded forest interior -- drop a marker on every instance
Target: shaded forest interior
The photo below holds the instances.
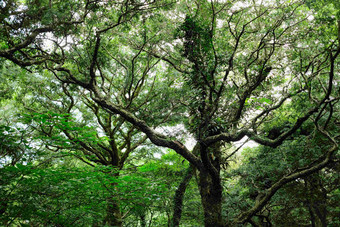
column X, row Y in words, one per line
column 213, row 113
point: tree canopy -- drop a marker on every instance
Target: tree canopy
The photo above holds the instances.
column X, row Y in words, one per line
column 101, row 99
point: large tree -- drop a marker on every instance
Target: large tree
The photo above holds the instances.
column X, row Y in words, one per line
column 236, row 65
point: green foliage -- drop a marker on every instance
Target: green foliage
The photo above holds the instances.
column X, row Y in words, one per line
column 51, row 196
column 14, row 148
column 327, row 9
column 51, row 121
column 197, row 39
column 97, row 79
column 263, row 166
column 68, row 196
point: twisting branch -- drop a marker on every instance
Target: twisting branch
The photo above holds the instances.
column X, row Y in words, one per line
column 94, row 60
column 269, row 193
column 155, row 137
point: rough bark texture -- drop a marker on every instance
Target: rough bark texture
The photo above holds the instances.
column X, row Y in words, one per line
column 142, row 220
column 209, row 184
column 211, row 196
column 312, row 216
column 113, row 216
column 179, row 196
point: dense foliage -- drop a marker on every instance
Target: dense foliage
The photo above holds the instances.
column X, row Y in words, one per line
column 136, row 113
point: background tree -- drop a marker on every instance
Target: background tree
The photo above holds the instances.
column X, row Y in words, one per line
column 305, row 201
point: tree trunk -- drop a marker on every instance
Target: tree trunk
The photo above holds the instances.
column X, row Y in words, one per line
column 179, row 196
column 209, row 184
column 311, row 212
column 320, row 211
column 113, row 214
column 142, row 220
column 211, row 197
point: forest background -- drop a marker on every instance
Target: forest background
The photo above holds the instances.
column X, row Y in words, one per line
column 141, row 112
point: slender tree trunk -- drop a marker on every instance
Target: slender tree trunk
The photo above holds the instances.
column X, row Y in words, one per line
column 142, row 220
column 179, row 196
column 3, row 208
column 320, row 211
column 113, row 214
column 319, row 203
column 211, row 197
column 321, row 206
column 312, row 216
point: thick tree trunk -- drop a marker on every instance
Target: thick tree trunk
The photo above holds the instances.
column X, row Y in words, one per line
column 209, row 184
column 179, row 196
column 211, row 197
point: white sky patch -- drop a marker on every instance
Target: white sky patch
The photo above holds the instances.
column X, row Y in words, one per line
column 157, row 155
column 173, row 131
column 49, row 42
column 250, row 143
column 178, row 132
column 190, row 142
column 219, row 23
column 2, row 4
column 239, row 5
column 77, row 114
column 310, row 17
